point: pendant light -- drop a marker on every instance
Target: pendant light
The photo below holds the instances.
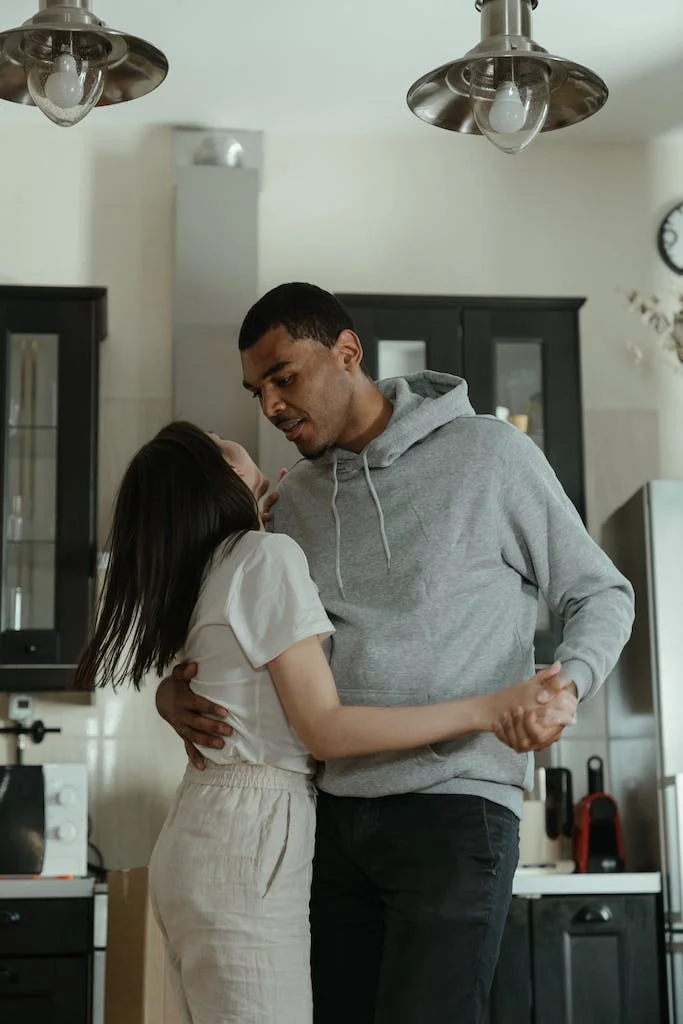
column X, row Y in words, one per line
column 507, row 88
column 66, row 61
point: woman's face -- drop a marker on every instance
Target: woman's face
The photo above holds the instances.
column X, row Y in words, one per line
column 241, row 462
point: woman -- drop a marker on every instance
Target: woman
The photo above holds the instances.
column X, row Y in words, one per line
column 193, row 575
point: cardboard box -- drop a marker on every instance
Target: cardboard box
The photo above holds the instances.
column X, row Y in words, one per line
column 138, row 988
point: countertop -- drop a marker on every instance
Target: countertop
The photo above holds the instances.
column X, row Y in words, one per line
column 530, row 883
column 45, row 888
column 526, row 883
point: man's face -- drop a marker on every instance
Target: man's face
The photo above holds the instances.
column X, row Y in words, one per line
column 304, row 388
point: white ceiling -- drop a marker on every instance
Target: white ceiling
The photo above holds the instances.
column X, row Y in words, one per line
column 318, row 66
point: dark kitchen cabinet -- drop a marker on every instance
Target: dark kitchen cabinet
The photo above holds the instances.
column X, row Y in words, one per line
column 581, row 960
column 46, row 948
column 54, row 989
column 49, row 359
column 520, row 358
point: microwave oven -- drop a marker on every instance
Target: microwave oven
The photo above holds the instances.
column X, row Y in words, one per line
column 44, row 820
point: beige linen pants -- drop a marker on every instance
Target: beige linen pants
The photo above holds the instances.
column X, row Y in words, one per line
column 230, row 880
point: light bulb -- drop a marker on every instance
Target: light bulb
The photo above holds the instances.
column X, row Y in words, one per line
column 510, row 101
column 507, row 110
column 64, row 87
column 67, row 87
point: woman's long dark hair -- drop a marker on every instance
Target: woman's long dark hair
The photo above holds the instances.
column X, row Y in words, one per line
column 177, row 502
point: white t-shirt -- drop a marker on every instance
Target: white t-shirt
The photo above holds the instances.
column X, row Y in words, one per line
column 254, row 603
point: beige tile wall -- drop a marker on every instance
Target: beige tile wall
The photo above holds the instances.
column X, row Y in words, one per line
column 134, row 763
column 622, row 452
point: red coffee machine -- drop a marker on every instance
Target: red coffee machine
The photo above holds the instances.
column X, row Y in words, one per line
column 598, row 843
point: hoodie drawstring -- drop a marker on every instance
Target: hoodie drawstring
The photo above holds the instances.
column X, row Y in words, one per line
column 380, row 513
column 337, row 521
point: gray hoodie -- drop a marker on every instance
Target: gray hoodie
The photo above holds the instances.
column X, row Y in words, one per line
column 429, row 548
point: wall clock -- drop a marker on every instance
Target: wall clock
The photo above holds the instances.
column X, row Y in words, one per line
column 670, row 239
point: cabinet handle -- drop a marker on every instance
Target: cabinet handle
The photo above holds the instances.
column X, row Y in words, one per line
column 593, row 915
column 10, row 917
column 7, row 976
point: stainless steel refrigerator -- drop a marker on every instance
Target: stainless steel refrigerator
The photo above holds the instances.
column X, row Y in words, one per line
column 644, row 703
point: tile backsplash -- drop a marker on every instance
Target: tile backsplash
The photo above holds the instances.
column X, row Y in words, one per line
column 134, row 763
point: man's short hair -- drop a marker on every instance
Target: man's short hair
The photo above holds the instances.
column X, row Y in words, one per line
column 304, row 310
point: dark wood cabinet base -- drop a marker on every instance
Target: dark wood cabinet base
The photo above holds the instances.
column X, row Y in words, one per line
column 581, row 960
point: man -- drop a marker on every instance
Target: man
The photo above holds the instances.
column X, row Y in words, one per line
column 428, row 531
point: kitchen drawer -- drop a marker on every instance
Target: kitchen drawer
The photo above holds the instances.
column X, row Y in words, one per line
column 45, row 990
column 48, row 927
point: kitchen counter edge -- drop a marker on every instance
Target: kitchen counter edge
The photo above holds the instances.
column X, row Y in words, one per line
column 530, row 883
column 526, row 883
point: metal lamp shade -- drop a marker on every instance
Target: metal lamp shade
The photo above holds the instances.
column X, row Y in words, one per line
column 507, row 53
column 442, row 97
column 132, row 66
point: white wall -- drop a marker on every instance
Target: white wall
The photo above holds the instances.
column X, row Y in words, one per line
column 664, row 162
column 443, row 215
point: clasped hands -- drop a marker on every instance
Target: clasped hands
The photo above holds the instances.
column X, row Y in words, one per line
column 533, row 714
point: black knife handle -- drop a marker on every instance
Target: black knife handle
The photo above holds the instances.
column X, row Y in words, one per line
column 596, row 775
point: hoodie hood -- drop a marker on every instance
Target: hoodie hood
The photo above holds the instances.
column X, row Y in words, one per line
column 422, row 402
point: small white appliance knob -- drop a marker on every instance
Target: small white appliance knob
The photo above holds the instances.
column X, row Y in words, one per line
column 66, row 796
column 67, row 832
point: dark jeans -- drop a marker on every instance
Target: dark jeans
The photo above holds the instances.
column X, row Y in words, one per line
column 409, row 900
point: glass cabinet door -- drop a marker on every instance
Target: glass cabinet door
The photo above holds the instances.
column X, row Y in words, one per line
column 522, row 364
column 398, row 358
column 49, row 348
column 400, row 338
column 518, row 385
column 30, row 482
